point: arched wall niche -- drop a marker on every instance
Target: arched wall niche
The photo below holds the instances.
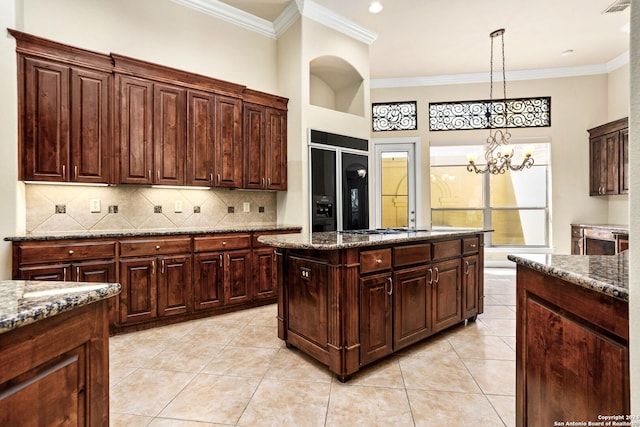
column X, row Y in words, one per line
column 335, row 84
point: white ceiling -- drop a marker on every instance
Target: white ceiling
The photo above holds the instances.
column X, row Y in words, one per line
column 421, row 38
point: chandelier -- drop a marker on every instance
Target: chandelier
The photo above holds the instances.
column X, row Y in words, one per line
column 499, row 153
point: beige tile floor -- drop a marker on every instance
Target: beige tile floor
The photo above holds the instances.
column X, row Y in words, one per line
column 232, row 370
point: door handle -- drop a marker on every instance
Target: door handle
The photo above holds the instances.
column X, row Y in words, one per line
column 437, row 275
column 390, row 280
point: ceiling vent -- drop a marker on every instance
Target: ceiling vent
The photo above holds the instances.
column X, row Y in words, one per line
column 617, row 6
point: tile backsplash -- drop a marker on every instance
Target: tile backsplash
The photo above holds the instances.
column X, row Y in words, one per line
column 60, row 208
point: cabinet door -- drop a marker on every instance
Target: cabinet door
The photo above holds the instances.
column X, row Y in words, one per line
column 228, row 146
column 276, row 149
column 200, row 137
column 624, row 161
column 95, row 271
column 254, row 146
column 604, row 153
column 90, row 126
column 446, row 294
column 471, row 286
column 375, row 318
column 237, row 266
column 411, row 302
column 136, row 130
column 45, row 136
column 174, row 284
column 208, row 281
column 139, row 290
column 264, row 273
column 50, row 272
column 169, row 119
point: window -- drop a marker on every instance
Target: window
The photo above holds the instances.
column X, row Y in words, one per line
column 515, row 205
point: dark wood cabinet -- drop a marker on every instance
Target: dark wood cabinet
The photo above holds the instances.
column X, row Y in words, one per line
column 472, row 292
column 609, row 159
column 265, row 147
column 65, row 128
column 598, row 239
column 264, row 273
column 155, row 275
column 228, row 142
column 411, row 305
column 200, row 138
column 447, row 310
column 376, row 326
column 167, row 127
column 208, row 281
column 572, row 352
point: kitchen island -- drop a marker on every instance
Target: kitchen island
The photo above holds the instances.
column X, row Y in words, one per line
column 54, row 353
column 572, row 339
column 348, row 299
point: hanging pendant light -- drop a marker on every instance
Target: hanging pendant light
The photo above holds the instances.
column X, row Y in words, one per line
column 499, row 153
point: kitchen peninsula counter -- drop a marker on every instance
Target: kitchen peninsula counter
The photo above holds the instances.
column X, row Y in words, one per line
column 572, row 338
column 349, row 299
column 54, row 352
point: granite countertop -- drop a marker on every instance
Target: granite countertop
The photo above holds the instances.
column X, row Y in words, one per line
column 608, row 274
column 331, row 240
column 23, row 302
column 620, row 229
column 144, row 233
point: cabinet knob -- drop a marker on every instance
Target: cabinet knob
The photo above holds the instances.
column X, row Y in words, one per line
column 224, row 243
column 70, row 251
column 157, row 246
column 378, row 261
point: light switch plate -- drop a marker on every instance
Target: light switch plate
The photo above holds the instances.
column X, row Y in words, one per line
column 177, row 206
column 246, row 207
column 94, row 205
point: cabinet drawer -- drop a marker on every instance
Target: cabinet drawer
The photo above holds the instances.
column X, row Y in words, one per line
column 375, row 260
column 447, row 249
column 470, row 246
column 222, row 242
column 411, row 254
column 32, row 253
column 593, row 233
column 140, row 247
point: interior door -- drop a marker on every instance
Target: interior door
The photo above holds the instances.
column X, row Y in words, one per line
column 396, row 185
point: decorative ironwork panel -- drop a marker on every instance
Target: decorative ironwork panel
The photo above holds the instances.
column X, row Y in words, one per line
column 395, row 116
column 487, row 114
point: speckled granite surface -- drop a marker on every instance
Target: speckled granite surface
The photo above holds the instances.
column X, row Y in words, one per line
column 331, row 240
column 23, row 302
column 611, row 227
column 144, row 233
column 608, row 274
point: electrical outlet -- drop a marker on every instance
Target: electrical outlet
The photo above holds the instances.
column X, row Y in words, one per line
column 246, row 207
column 177, row 206
column 94, row 205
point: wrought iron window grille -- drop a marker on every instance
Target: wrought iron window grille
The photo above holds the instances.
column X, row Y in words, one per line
column 488, row 114
column 390, row 116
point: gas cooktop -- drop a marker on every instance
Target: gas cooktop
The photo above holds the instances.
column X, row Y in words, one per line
column 383, row 231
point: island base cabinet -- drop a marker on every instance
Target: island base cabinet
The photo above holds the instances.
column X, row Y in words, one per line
column 572, row 352
column 412, row 299
column 447, row 310
column 55, row 372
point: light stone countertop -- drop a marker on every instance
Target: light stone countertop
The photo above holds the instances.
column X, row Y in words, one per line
column 332, row 240
column 148, row 233
column 608, row 274
column 23, row 302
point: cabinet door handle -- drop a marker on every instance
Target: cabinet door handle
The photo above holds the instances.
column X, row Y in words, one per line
column 390, row 280
column 211, row 178
column 64, row 274
column 220, row 260
column 75, row 172
column 158, row 174
column 263, row 183
column 466, row 268
column 64, row 171
column 228, row 260
column 218, row 179
column 149, row 173
column 78, row 274
column 437, row 275
column 430, row 276
column 268, row 182
column 162, row 266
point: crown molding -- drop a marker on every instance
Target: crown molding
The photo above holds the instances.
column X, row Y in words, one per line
column 296, row 9
column 542, row 73
column 232, row 15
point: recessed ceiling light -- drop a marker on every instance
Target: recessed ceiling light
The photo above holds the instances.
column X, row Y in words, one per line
column 567, row 52
column 375, row 7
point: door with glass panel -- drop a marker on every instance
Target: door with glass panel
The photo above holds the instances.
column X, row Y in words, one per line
column 396, row 185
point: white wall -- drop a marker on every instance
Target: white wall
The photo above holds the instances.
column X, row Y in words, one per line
column 577, row 104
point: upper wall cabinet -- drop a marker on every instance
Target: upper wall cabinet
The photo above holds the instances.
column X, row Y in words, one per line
column 64, row 112
column 265, row 141
column 167, row 127
column 609, row 158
